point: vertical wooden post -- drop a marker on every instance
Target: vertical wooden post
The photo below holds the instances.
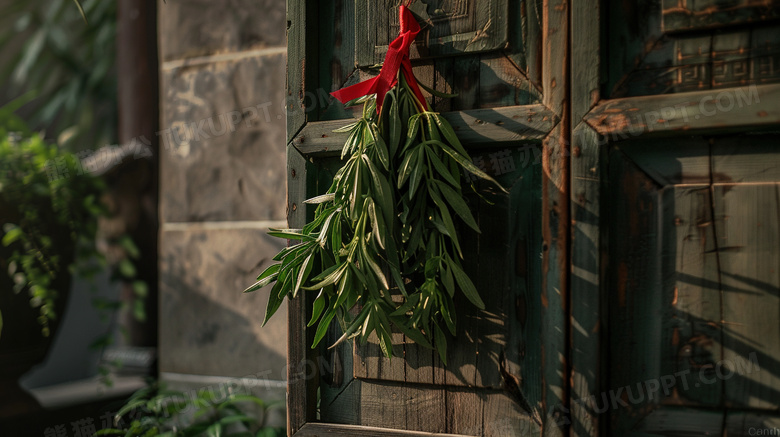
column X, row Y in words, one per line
column 135, row 189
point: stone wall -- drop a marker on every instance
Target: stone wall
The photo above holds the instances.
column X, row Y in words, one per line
column 222, row 185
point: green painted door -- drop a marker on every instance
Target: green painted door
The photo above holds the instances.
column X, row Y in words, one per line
column 676, row 218
column 632, row 275
column 506, row 366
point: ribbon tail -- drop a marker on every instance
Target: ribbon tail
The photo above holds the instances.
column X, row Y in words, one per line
column 355, row 91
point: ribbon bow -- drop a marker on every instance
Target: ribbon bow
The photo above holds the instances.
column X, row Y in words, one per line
column 397, row 58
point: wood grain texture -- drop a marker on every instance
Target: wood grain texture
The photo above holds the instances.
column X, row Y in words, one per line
column 297, row 55
column 322, row 429
column 749, row 107
column 483, row 127
column 299, row 409
column 741, row 424
column 588, row 318
column 585, row 38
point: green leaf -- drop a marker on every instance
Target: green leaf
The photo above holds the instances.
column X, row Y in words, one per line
column 441, row 343
column 331, row 279
column 130, row 406
column 110, row 431
column 384, row 193
column 129, row 246
column 417, row 172
column 140, row 289
column 441, row 168
column 413, row 129
column 329, row 197
column 377, row 229
column 449, row 225
column 322, row 328
column 458, row 204
column 346, row 128
column 304, row 273
column 380, row 146
column 447, row 279
column 289, row 234
column 353, row 327
column 434, row 92
column 394, row 127
column 269, row 275
column 465, row 284
column 468, row 165
column 376, row 269
column 238, row 418
column 317, row 307
column 275, row 298
column 412, row 333
column 407, row 165
column 449, row 133
column 12, row 235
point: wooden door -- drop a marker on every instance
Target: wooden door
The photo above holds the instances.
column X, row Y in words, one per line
column 675, row 194
column 632, row 274
column 507, row 62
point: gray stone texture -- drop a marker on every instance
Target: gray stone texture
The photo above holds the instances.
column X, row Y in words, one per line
column 222, row 159
column 208, row 327
column 191, row 28
column 223, row 141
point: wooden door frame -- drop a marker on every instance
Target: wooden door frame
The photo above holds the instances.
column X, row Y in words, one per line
column 597, row 120
column 546, row 123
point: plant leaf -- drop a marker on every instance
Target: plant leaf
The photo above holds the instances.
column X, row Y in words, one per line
column 465, row 284
column 458, row 204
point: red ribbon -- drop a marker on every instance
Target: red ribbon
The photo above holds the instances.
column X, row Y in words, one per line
column 397, row 58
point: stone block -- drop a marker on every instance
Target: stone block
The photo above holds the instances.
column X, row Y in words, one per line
column 223, row 141
column 207, row 325
column 189, row 28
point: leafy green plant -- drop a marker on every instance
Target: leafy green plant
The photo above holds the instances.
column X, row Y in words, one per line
column 49, row 211
column 64, row 52
column 155, row 411
column 383, row 248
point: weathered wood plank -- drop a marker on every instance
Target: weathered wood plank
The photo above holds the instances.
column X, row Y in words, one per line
column 370, row 361
column 586, row 45
column 502, row 416
column 748, row 243
column 634, row 301
column 493, row 286
column 555, row 271
column 462, row 350
column 746, row 159
column 464, row 411
column 501, row 83
column 555, row 68
column 692, row 333
column 320, row 429
column 700, row 111
column 741, row 424
column 465, row 75
column 479, row 126
column 588, row 319
column 556, row 220
column 679, row 422
column 443, row 82
column 672, row 161
column 299, row 408
column 300, row 31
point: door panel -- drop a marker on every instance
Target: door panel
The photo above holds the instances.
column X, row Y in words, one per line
column 506, row 366
column 693, row 290
column 674, row 282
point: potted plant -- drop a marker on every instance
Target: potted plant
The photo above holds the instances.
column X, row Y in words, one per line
column 49, row 210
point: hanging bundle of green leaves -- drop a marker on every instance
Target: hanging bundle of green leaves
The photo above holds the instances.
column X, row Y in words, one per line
column 383, row 248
